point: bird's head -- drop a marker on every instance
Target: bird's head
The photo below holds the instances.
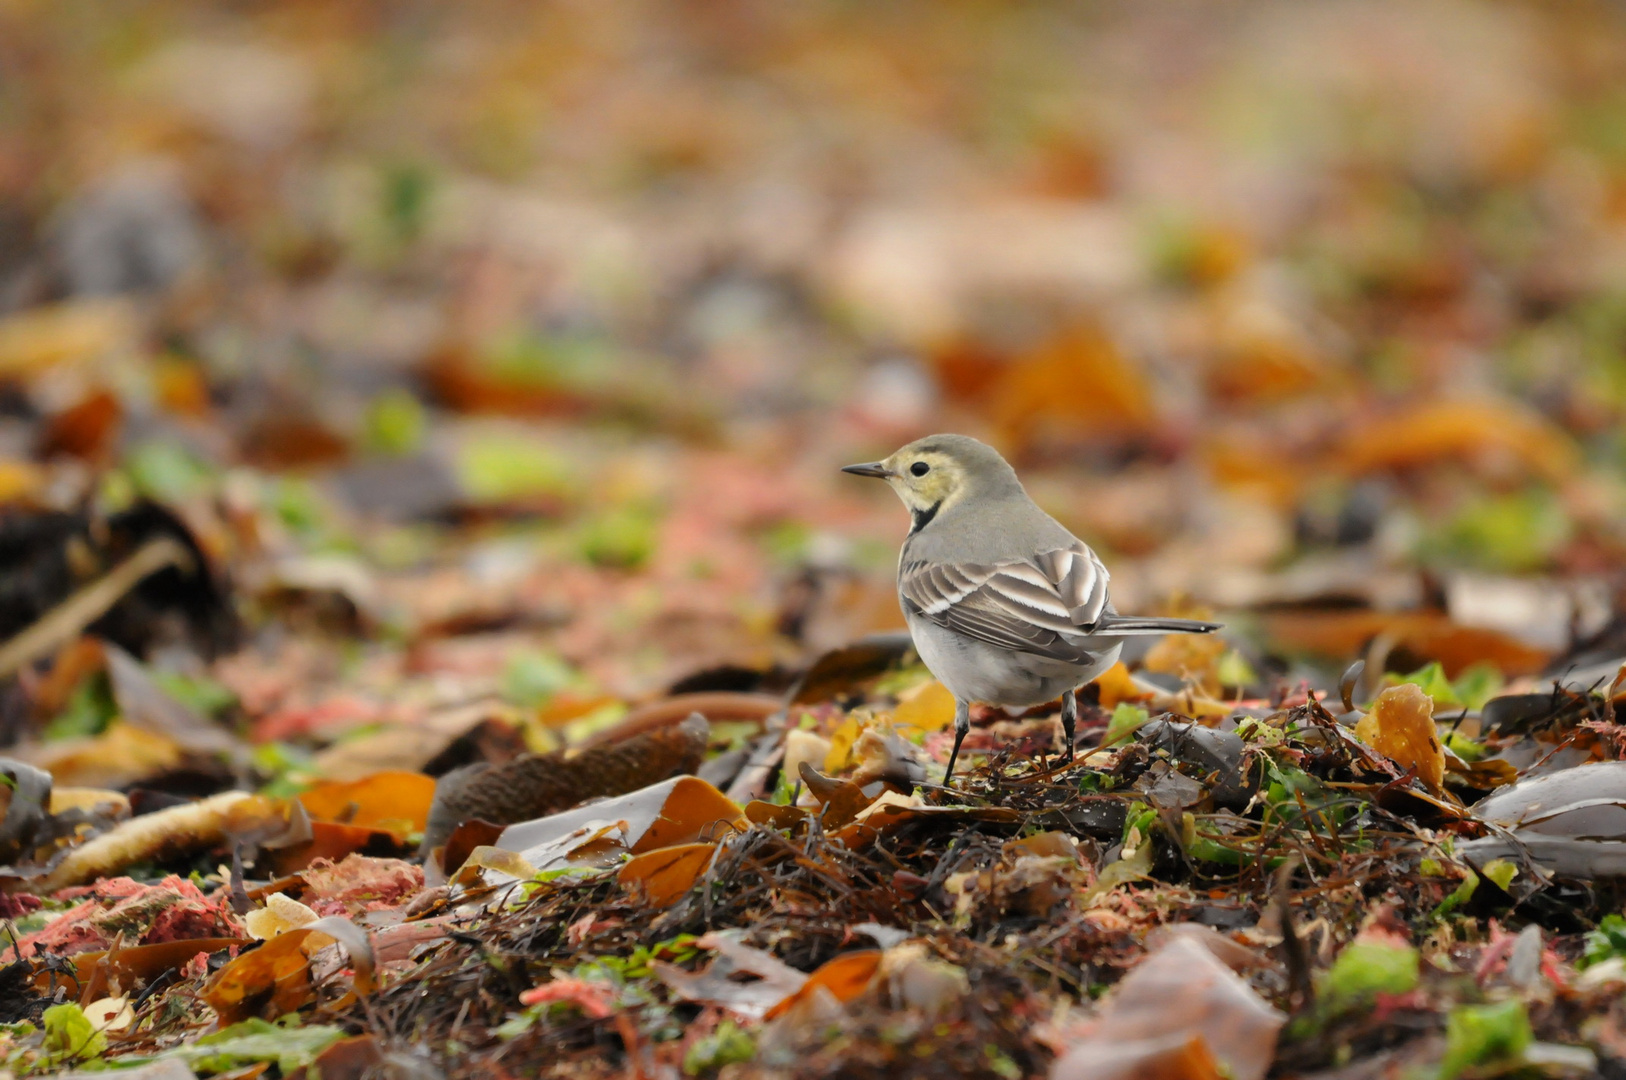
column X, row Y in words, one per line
column 936, row 472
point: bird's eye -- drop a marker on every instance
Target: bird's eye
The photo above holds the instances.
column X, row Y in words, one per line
column 920, row 468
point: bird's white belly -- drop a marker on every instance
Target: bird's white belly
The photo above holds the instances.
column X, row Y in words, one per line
column 973, row 670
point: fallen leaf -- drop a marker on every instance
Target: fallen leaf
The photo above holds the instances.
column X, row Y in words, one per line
column 536, row 784
column 1432, row 430
column 1401, row 727
column 274, row 979
column 665, row 874
column 844, row 978
column 395, row 802
column 1179, row 996
column 677, row 811
column 719, row 983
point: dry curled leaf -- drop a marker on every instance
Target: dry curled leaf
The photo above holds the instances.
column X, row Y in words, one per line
column 1401, row 727
column 682, row 810
column 179, row 830
column 275, row 979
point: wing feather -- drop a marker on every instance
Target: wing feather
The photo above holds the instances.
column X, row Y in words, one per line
column 1046, row 605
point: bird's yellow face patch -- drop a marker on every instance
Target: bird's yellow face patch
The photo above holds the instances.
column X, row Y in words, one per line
column 925, row 479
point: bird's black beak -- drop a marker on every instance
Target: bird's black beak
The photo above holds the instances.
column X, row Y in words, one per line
column 873, row 468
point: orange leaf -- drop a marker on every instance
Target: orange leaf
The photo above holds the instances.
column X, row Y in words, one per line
column 666, row 874
column 394, row 801
column 1078, row 381
column 275, row 978
column 1433, row 430
column 1424, row 636
column 1401, row 727
column 847, row 976
column 931, row 708
column 1117, row 686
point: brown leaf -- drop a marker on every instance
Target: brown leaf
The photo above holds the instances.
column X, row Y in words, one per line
column 682, row 810
column 330, row 840
column 1176, row 1015
column 86, row 430
column 842, row 799
column 665, row 874
column 275, row 978
column 534, row 785
column 1077, row 382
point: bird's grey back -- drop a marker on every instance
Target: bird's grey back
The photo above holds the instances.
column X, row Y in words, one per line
column 986, row 528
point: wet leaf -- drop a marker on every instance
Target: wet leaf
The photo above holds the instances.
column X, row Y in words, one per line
column 1401, row 727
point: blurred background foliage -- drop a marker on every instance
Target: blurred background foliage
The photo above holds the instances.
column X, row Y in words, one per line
column 546, row 325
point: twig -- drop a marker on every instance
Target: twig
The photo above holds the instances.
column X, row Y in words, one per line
column 69, row 618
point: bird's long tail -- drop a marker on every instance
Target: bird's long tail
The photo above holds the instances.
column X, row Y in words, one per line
column 1128, row 625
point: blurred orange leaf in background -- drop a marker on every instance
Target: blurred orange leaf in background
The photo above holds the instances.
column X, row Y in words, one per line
column 1470, row 430
column 1077, row 383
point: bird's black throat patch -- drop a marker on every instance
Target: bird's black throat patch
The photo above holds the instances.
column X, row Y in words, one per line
column 924, row 517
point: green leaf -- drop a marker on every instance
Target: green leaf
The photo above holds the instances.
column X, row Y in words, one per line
column 498, row 467
column 1606, row 942
column 728, row 1045
column 1480, row 1034
column 1233, row 669
column 90, row 709
column 1514, row 533
column 1126, row 720
column 1501, row 872
column 395, row 422
column 533, row 678
column 622, row 538
column 70, row 1036
column 200, row 693
column 1431, row 677
column 1365, row 970
column 167, row 471
column 1465, row 748
column 1461, row 895
column 252, row 1041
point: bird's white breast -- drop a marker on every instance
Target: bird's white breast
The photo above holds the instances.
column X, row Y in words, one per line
column 974, row 670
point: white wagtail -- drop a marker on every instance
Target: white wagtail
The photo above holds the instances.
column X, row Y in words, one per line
column 1004, row 604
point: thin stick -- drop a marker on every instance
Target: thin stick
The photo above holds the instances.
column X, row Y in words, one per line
column 69, row 618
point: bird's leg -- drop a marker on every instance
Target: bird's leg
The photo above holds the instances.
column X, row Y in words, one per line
column 1069, row 719
column 962, row 724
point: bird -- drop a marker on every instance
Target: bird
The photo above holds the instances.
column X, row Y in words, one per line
column 1004, row 604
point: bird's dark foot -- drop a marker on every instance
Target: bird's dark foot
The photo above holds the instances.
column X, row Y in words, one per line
column 1069, row 721
column 962, row 725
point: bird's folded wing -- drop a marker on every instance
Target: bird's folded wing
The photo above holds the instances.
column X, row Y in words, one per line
column 1043, row 605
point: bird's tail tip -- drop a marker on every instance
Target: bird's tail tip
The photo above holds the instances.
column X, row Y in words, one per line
column 1139, row 624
